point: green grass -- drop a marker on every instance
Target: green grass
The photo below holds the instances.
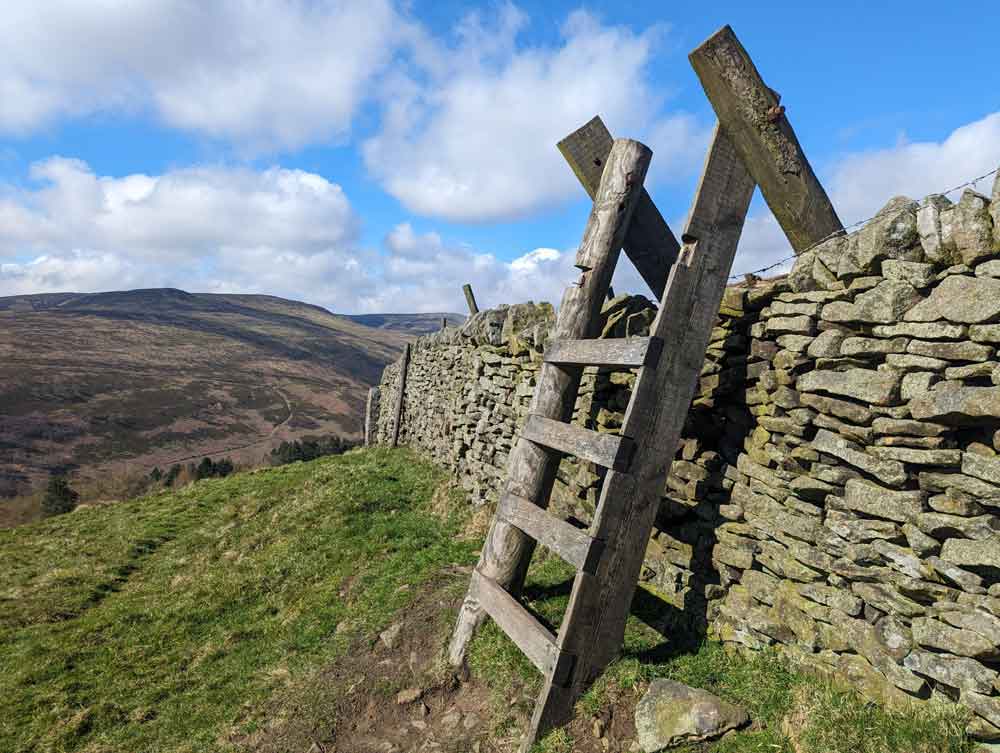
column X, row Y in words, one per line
column 825, row 718
column 189, row 621
column 168, row 622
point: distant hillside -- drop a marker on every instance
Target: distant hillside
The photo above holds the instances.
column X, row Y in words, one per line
column 408, row 324
column 108, row 383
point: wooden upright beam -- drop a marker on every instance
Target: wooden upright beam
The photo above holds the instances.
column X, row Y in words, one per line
column 749, row 113
column 370, row 416
column 649, row 242
column 531, row 469
column 470, row 299
column 594, row 625
column 404, row 367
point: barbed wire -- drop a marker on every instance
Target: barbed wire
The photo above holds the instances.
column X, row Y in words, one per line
column 857, row 224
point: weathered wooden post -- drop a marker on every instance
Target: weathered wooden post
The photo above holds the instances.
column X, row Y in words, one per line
column 755, row 122
column 531, row 469
column 470, row 299
column 444, row 323
column 370, row 416
column 404, row 367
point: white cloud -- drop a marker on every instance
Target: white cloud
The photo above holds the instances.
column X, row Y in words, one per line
column 421, row 272
column 282, row 232
column 473, row 137
column 862, row 183
column 178, row 215
column 264, row 74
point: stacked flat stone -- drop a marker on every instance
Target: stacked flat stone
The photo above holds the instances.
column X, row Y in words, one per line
column 837, row 491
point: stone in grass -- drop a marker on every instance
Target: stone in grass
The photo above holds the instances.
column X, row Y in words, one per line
column 958, row 672
column 671, row 713
column 390, row 635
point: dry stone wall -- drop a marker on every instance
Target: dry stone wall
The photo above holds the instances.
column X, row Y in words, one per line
column 837, row 491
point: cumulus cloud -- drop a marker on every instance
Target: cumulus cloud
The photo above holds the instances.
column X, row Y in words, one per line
column 219, row 229
column 861, row 183
column 473, row 136
column 266, row 74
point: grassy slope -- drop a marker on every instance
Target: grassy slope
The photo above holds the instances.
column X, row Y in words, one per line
column 166, row 623
column 171, row 623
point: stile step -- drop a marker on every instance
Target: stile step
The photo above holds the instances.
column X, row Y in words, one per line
column 534, row 639
column 631, row 352
column 607, row 450
column 575, row 546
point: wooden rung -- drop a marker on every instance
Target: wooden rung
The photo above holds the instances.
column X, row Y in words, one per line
column 628, row 353
column 607, row 450
column 566, row 540
column 534, row 639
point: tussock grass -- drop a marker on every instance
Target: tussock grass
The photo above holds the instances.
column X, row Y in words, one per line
column 167, row 622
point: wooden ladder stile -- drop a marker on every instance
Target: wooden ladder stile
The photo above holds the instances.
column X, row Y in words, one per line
column 690, row 281
column 606, row 557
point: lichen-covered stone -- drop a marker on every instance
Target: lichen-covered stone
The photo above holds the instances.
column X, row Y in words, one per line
column 959, row 351
column 868, row 346
column 961, row 673
column 929, row 230
column 870, row 499
column 925, row 330
column 957, row 405
column 936, row 635
column 877, row 387
column 671, row 714
column 972, row 227
column 985, row 553
column 892, row 235
column 960, row 299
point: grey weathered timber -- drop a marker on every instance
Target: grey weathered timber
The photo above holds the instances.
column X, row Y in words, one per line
column 574, row 545
column 607, row 450
column 444, row 322
column 470, row 299
column 370, row 416
column 649, row 243
column 531, row 470
column 534, row 639
column 404, row 366
column 630, row 352
column 594, row 623
column 749, row 112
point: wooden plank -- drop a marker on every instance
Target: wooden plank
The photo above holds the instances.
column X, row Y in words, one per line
column 752, row 118
column 404, row 367
column 630, row 352
column 594, row 624
column 531, row 470
column 532, row 637
column 470, row 299
column 607, row 450
column 572, row 544
column 370, row 416
column 649, row 243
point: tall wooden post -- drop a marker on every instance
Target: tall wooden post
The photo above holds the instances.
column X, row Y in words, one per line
column 531, row 469
column 404, row 367
column 755, row 122
column 370, row 416
column 470, row 299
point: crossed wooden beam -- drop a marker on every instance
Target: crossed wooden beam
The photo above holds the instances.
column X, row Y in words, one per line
column 751, row 117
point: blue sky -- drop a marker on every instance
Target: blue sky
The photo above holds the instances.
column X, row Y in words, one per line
column 370, row 156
